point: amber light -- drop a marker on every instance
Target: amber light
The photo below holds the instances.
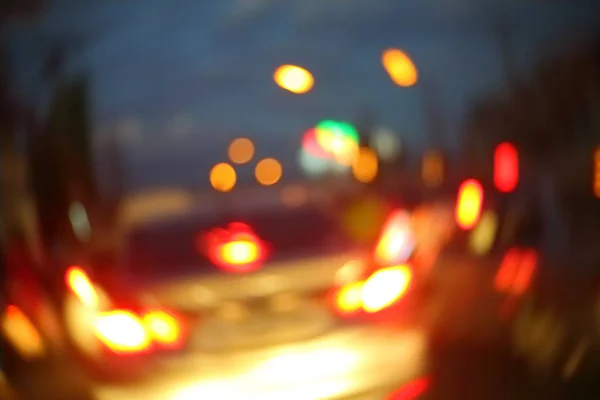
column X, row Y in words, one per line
column 469, row 204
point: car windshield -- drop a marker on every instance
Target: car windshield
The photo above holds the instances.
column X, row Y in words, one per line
column 130, row 130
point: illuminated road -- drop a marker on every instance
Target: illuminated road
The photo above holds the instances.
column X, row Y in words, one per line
column 474, row 366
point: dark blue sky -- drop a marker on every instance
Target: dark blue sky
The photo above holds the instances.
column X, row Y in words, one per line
column 206, row 66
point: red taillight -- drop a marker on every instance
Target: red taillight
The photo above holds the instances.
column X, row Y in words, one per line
column 412, row 390
column 236, row 249
column 80, row 284
column 166, row 329
column 516, row 271
column 379, row 291
column 469, row 204
column 124, row 331
column 396, row 241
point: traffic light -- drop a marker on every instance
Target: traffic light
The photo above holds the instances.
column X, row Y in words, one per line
column 469, row 204
column 506, row 167
column 597, row 172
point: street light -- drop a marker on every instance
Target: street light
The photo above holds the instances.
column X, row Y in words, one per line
column 223, row 177
column 400, row 68
column 294, row 79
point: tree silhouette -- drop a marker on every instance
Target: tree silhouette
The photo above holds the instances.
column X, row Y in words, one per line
column 549, row 116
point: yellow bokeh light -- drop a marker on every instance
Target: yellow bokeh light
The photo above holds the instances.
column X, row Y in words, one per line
column 294, row 79
column 268, row 171
column 399, row 67
column 365, row 165
column 241, row 150
column 222, row 177
column 482, row 237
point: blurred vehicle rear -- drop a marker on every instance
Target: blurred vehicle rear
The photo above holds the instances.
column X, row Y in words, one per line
column 197, row 297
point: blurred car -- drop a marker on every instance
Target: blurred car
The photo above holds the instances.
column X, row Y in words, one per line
column 554, row 324
column 249, row 299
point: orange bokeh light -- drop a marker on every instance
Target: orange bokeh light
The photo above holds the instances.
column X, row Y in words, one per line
column 400, row 68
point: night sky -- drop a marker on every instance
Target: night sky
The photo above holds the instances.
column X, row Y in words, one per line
column 177, row 79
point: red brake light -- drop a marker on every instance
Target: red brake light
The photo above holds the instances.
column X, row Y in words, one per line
column 122, row 332
column 125, row 331
column 469, row 204
column 412, row 390
column 239, row 252
column 385, row 287
column 516, row 271
column 396, row 241
column 166, row 329
column 379, row 291
column 80, row 284
column 237, row 249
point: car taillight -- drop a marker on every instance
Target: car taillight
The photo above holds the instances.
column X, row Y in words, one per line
column 238, row 252
column 412, row 390
column 385, row 287
column 348, row 298
column 165, row 328
column 380, row 290
column 396, row 241
column 81, row 285
column 236, row 249
column 516, row 271
column 124, row 331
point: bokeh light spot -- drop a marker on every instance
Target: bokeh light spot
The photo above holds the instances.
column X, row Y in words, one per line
column 241, row 150
column 365, row 166
column 223, row 177
column 294, row 79
column 268, row 171
column 400, row 68
column 294, row 196
column 386, row 143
